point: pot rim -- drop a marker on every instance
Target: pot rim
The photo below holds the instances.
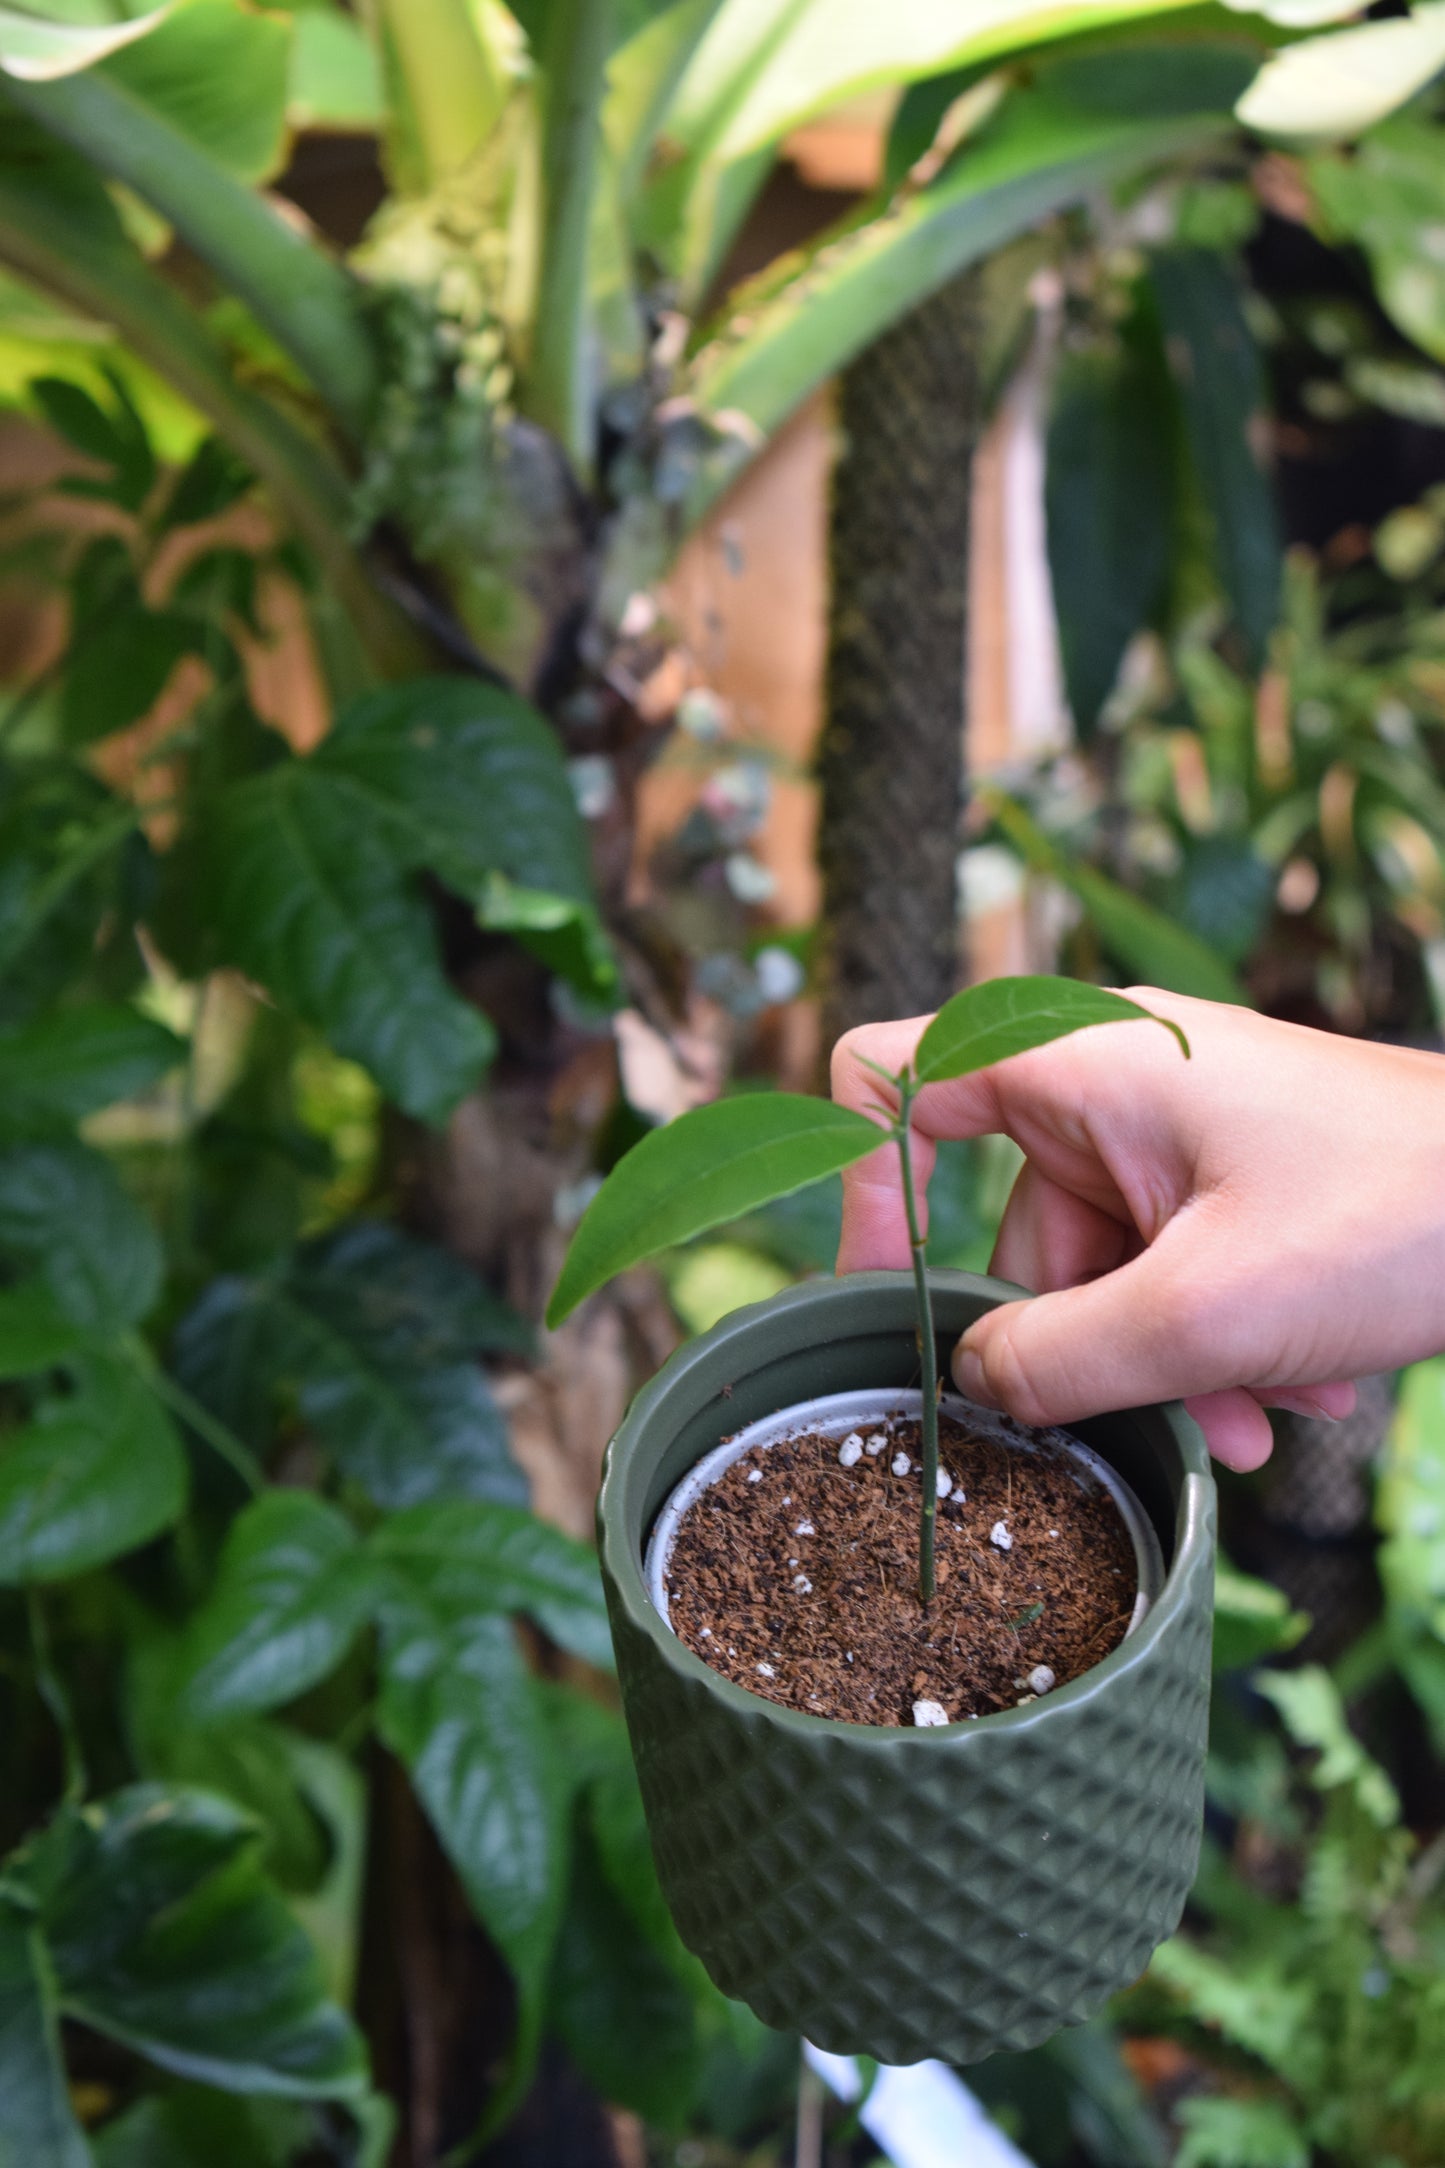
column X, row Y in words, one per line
column 629, row 1587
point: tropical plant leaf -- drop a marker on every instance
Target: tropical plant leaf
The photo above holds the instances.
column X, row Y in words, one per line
column 1048, row 146
column 1153, row 949
column 989, row 1022
column 1341, row 84
column 165, row 1935
column 335, row 79
column 459, row 1710
column 1313, row 1714
column 190, row 2123
column 38, row 2127
column 473, row 1558
column 1241, row 2134
column 1410, row 1511
column 1222, row 390
column 217, row 72
column 89, row 1478
column 373, row 1337
column 291, row 1593
column 1383, row 197
column 304, row 889
column 35, row 1332
column 116, row 436
column 1252, row 1619
column 1110, row 491
column 36, row 51
column 64, row 1215
column 63, row 1066
column 707, row 1167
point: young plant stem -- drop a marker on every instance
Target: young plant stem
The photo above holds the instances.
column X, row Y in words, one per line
column 51, row 1688
column 927, row 1357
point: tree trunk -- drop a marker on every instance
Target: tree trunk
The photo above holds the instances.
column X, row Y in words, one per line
column 891, row 763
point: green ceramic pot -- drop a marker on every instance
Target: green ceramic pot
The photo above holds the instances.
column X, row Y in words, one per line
column 902, row 1893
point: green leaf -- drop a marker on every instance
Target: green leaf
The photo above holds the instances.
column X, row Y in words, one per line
column 36, row 51
column 472, row 784
column 335, row 79
column 1152, row 949
column 305, row 889
column 988, row 1023
column 1410, row 1511
column 69, row 894
column 64, row 1214
column 475, row 1558
column 1110, row 487
column 1313, row 1714
column 61, row 1067
column 38, row 2127
column 1226, row 2133
column 115, row 677
column 116, row 438
column 373, row 1337
column 213, row 481
column 1049, row 145
column 189, row 2124
column 91, row 1477
column 622, row 2012
column 1252, row 2004
column 1342, row 84
column 459, row 1710
column 1222, row 390
column 217, row 72
column 166, row 1936
column 1252, row 1619
column 1383, row 198
column 292, row 1591
column 707, row 1167
column 35, row 1332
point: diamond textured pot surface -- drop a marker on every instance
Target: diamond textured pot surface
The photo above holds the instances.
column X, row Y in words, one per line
column 910, row 1893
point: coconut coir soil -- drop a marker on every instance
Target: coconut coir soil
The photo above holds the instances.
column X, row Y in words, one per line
column 801, row 1584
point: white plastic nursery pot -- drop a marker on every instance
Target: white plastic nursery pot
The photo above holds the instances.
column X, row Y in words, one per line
column 910, row 1893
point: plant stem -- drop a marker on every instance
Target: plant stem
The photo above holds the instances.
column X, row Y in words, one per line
column 218, row 1436
column 927, row 1347
column 555, row 385
column 52, row 1692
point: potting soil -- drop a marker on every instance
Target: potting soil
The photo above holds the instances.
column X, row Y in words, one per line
column 796, row 1575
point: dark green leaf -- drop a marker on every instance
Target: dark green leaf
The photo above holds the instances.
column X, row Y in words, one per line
column 210, row 485
column 73, row 414
column 1221, row 385
column 1110, row 486
column 291, row 1593
column 37, row 2126
column 708, row 1166
column 218, row 583
column 165, row 1934
column 119, row 666
column 64, row 1215
column 988, row 1023
column 1226, row 2133
column 92, row 1476
column 459, row 1709
column 305, row 888
column 68, row 1064
column 476, row 1558
column 35, row 1332
column 623, row 2013
column 67, row 896
column 36, row 50
column 191, row 2124
column 373, row 1336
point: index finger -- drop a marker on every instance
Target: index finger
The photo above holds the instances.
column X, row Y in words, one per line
column 875, row 1223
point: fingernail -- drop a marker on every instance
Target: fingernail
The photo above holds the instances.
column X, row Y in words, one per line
column 1304, row 1404
column 969, row 1378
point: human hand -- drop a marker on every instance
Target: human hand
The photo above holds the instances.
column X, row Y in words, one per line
column 1246, row 1229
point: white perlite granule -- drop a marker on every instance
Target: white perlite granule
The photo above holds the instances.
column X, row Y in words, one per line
column 1041, row 1679
column 877, row 1442
column 805, row 1528
column 929, row 1712
column 755, row 1475
column 900, row 1464
column 802, row 1584
column 999, row 1536
column 850, row 1452
column 766, row 1671
column 944, row 1482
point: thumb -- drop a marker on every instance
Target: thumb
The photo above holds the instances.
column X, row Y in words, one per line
column 1116, row 1342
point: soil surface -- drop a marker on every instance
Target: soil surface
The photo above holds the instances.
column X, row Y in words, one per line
column 796, row 1575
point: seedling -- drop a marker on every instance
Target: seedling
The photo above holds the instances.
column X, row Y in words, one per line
column 721, row 1161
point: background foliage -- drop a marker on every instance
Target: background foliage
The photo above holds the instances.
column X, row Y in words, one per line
column 285, row 1657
